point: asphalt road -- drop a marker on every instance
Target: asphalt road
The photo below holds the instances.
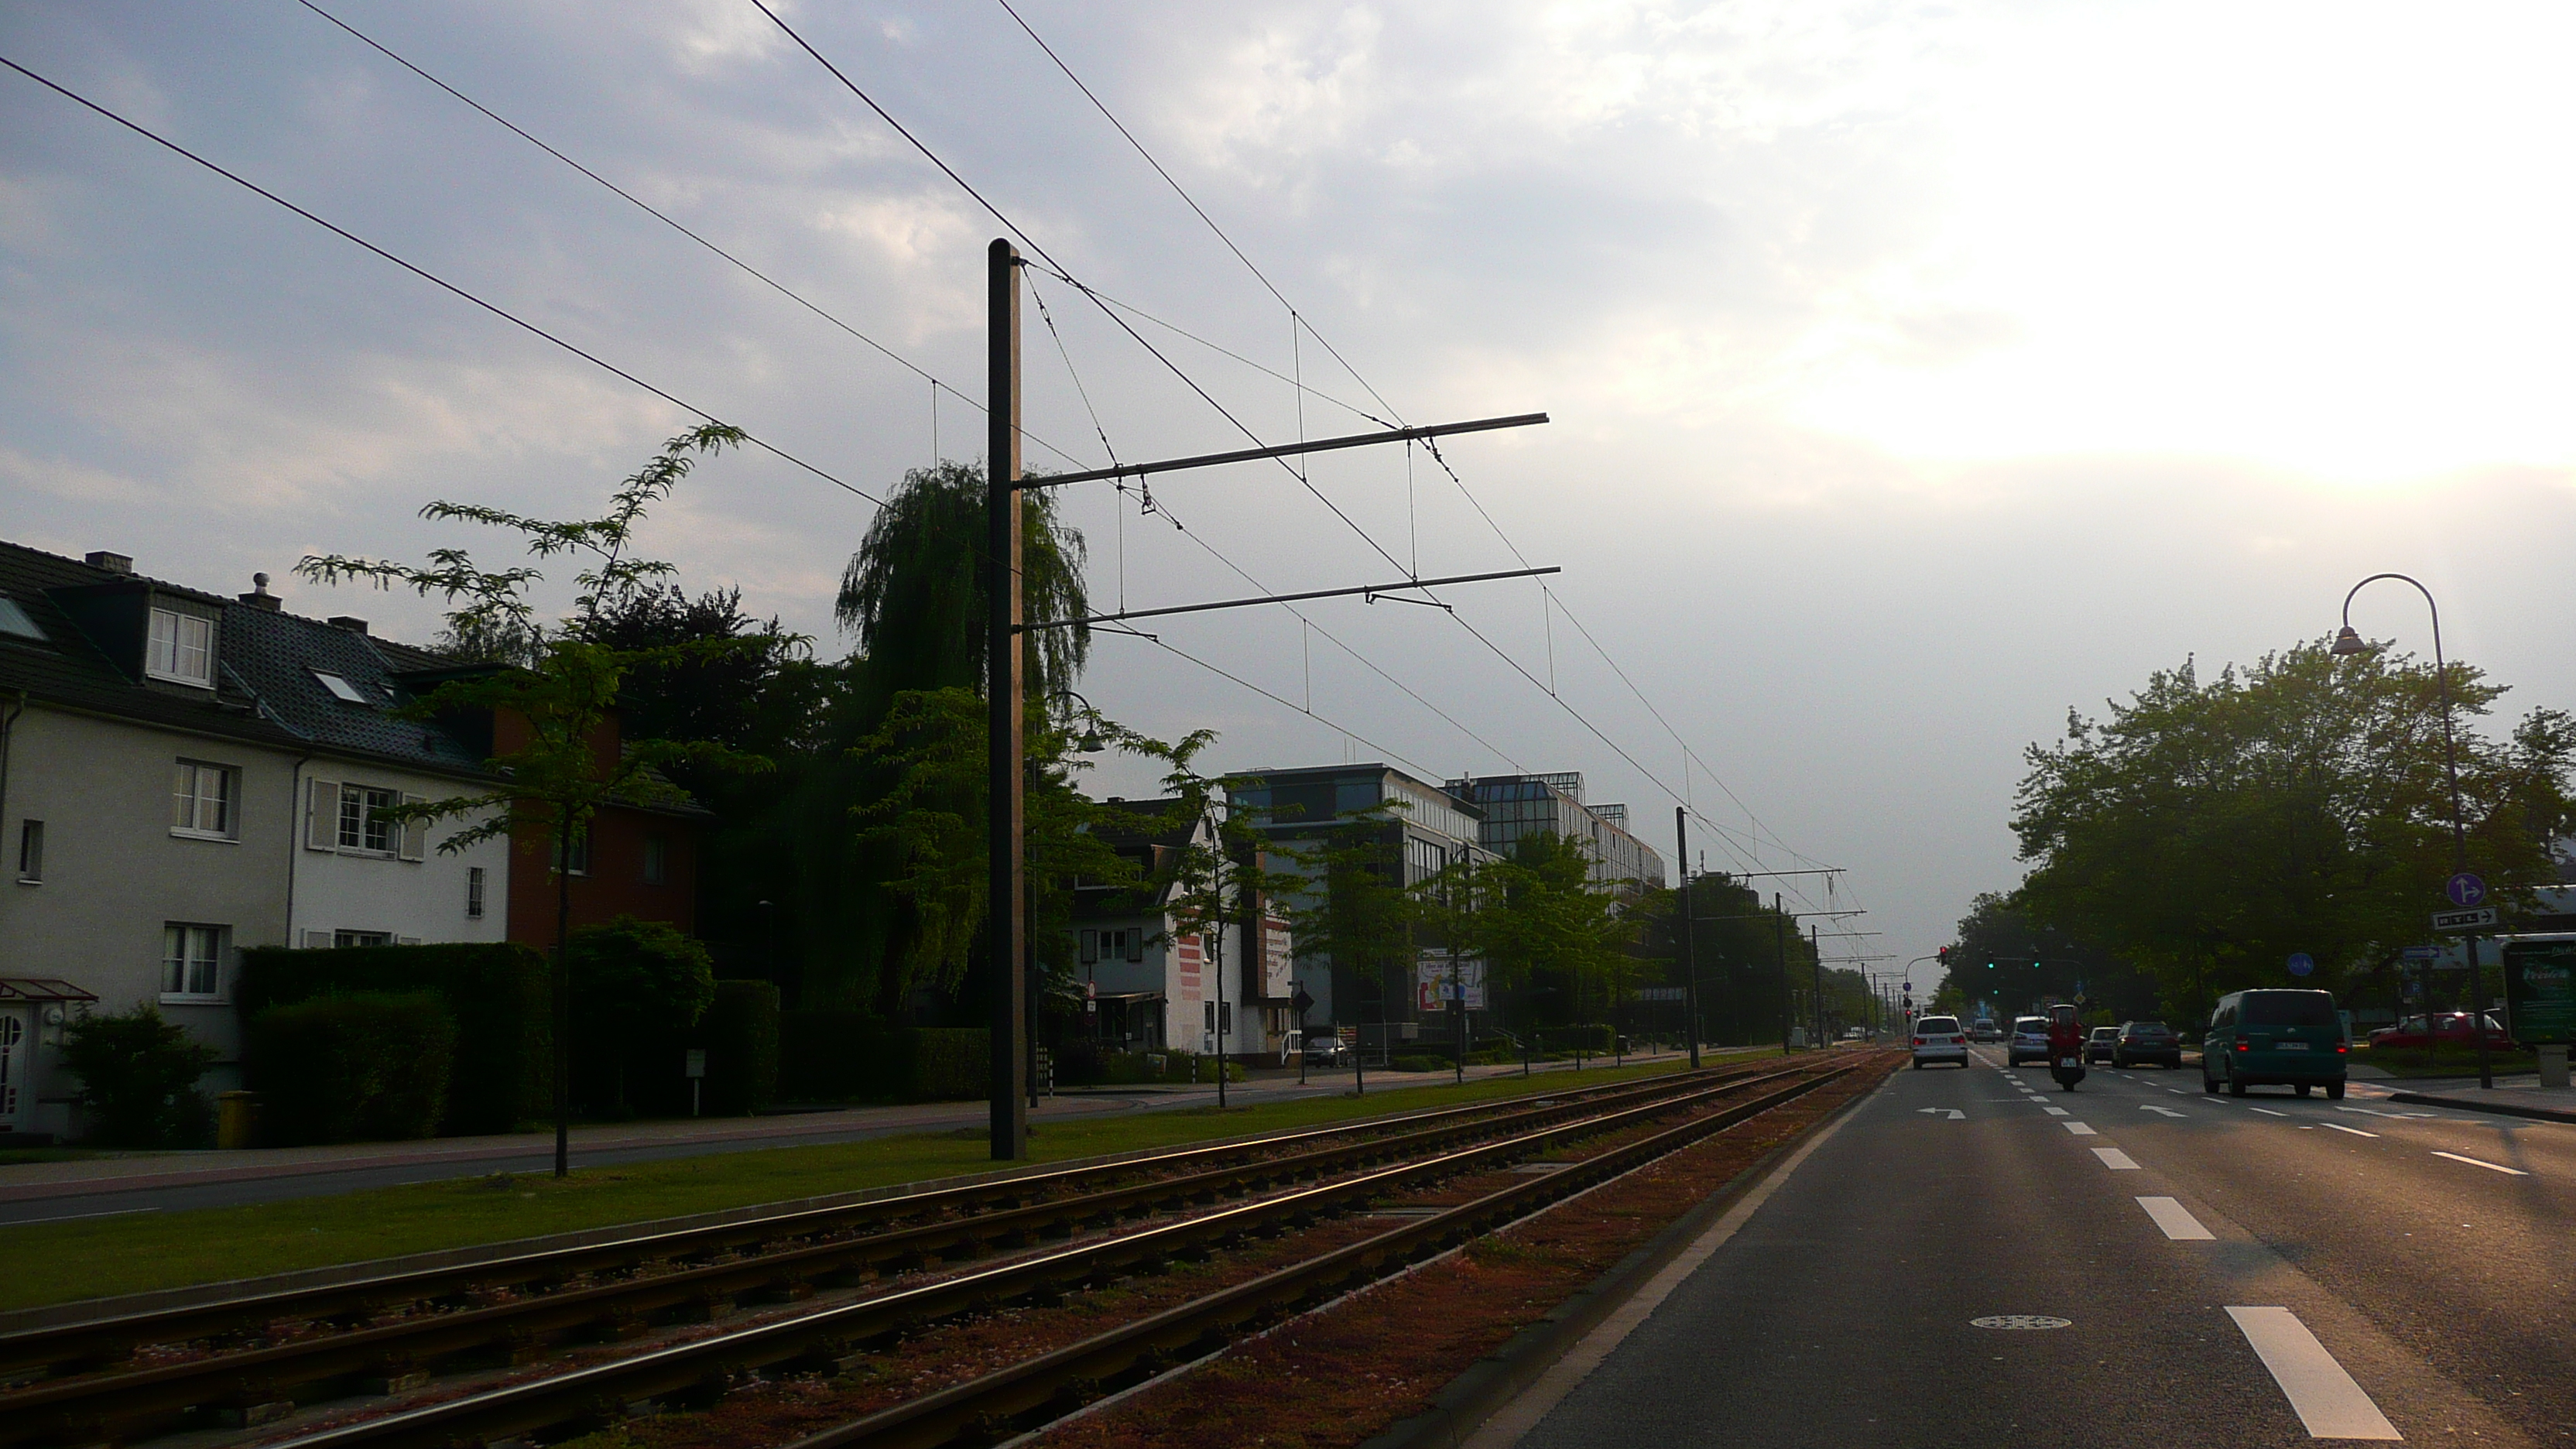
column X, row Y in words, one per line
column 2354, row 1281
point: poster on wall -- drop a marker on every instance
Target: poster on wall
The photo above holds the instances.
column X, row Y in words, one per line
column 1432, row 977
column 2540, row 992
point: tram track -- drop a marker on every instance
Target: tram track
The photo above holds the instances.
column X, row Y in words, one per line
column 610, row 1292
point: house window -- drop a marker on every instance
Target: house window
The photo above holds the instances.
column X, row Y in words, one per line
column 191, row 962
column 15, row 623
column 341, row 689
column 657, row 860
column 343, row 939
column 182, row 648
column 575, row 853
column 363, row 825
column 31, row 850
column 473, row 892
column 201, row 800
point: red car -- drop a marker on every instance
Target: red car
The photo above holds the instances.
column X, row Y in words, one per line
column 2450, row 1028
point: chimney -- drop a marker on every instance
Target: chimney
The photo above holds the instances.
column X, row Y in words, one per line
column 345, row 621
column 259, row 597
column 115, row 563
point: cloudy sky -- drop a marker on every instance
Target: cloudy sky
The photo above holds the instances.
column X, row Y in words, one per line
column 1918, row 370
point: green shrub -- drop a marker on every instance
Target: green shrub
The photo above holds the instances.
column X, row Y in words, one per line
column 638, row 987
column 740, row 1030
column 950, row 1064
column 1418, row 1062
column 835, row 1056
column 138, row 1078
column 357, row 1068
column 496, row 993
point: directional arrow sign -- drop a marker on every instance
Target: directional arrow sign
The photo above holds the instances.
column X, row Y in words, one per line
column 2160, row 1111
column 1935, row 1112
column 2464, row 920
column 2465, row 889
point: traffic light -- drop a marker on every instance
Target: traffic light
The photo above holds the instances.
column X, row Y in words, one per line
column 1990, row 965
column 1945, row 955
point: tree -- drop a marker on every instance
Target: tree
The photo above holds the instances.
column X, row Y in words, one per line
column 1739, row 942
column 638, row 981
column 138, row 1076
column 563, row 687
column 2037, row 961
column 1349, row 905
column 2208, row 830
column 1544, row 926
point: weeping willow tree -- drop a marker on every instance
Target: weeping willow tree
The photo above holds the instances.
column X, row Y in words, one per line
column 913, row 594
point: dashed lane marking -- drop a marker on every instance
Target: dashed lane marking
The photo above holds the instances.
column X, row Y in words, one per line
column 2056, row 1111
column 2326, row 1399
column 2114, row 1159
column 2489, row 1166
column 2176, row 1220
column 2268, row 1112
column 2355, row 1131
column 2079, row 1129
column 2160, row 1111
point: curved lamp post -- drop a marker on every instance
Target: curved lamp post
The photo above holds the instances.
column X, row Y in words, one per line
column 2348, row 642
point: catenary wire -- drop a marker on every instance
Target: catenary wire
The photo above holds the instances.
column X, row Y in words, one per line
column 938, row 384
column 434, row 279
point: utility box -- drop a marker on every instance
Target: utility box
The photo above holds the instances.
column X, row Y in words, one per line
column 237, row 1120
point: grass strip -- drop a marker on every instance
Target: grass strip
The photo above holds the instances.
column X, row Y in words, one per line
column 137, row 1253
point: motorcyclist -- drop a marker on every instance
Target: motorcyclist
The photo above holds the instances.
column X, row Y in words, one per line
column 2065, row 1043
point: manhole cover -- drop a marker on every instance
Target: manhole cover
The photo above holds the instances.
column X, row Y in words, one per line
column 2021, row 1320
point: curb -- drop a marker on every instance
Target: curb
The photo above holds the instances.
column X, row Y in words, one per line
column 2480, row 1104
column 1500, row 1376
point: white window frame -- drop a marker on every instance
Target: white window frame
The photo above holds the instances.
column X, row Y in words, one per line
column 192, row 961
column 344, row 940
column 474, row 892
column 187, row 643
column 188, row 784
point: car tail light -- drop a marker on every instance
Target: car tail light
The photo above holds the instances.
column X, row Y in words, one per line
column 2241, row 1046
column 2340, row 1049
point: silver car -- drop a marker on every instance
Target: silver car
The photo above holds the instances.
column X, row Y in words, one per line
column 2029, row 1041
column 1939, row 1039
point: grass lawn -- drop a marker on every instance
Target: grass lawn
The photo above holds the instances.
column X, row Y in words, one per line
column 102, row 1257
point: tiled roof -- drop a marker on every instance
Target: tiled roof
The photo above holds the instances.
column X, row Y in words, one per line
column 266, row 689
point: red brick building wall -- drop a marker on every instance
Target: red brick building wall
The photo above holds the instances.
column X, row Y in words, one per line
column 619, row 881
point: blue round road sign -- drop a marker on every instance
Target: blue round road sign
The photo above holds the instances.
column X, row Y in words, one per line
column 2465, row 889
column 2301, row 963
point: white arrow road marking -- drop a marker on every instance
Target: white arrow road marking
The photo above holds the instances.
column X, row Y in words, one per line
column 2326, row 1398
column 2355, row 1131
column 1935, row 1112
column 2176, row 1220
column 2489, row 1166
column 2114, row 1159
column 2079, row 1129
column 2160, row 1111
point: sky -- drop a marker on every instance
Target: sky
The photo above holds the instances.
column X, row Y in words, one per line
column 1917, row 372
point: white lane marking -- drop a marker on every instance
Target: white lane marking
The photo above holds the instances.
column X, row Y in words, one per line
column 2079, row 1129
column 2325, row 1397
column 2177, row 1091
column 2056, row 1111
column 2176, row 1220
column 2367, row 1112
column 1935, row 1112
column 2489, row 1166
column 2268, row 1112
column 2160, row 1111
column 2355, row 1131
column 77, row 1217
column 2114, row 1159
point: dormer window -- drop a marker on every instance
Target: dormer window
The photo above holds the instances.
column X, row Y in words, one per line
column 15, row 624
column 341, row 689
column 182, row 649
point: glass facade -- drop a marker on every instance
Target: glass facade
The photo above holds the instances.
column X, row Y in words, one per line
column 1521, row 805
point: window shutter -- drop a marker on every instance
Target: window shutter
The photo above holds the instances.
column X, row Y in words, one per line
column 317, row 940
column 322, row 817
column 415, row 834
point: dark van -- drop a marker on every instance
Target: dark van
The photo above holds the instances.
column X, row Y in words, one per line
column 2286, row 1038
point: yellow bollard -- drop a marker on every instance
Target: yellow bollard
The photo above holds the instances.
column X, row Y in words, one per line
column 236, row 1119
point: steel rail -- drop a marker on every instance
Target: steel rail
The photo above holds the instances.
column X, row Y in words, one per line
column 1037, row 1391
column 826, row 1336
column 63, row 1348
column 399, row 1352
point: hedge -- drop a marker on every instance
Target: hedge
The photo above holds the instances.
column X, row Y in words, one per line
column 848, row 1056
column 496, row 994
column 356, row 1068
column 139, row 1078
column 1080, row 1064
column 740, row 1030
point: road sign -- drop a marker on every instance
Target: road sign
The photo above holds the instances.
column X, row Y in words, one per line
column 2465, row 889
column 1909, row 985
column 2079, row 998
column 1303, row 1002
column 2301, row 963
column 2464, row 920
column 2421, row 953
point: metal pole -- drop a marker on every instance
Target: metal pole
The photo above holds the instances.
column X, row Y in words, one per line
column 1816, row 958
column 1788, row 1004
column 1003, row 921
column 1690, row 959
column 2459, row 835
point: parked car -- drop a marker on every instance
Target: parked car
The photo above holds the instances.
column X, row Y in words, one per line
column 1323, row 1049
column 2102, row 1046
column 2148, row 1041
column 1985, row 1030
column 2029, row 1041
column 1939, row 1039
column 2450, row 1028
column 2292, row 1038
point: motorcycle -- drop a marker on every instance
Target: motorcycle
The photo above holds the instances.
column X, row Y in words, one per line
column 2068, row 1071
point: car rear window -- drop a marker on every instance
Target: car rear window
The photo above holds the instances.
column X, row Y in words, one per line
column 2146, row 1028
column 2289, row 1008
column 1936, row 1024
column 2034, row 1025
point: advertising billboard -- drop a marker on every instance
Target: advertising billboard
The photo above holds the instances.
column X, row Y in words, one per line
column 2540, row 992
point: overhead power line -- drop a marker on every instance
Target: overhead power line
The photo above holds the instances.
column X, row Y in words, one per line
column 433, row 278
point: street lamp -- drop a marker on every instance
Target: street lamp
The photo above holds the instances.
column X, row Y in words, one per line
column 1089, row 743
column 2349, row 642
